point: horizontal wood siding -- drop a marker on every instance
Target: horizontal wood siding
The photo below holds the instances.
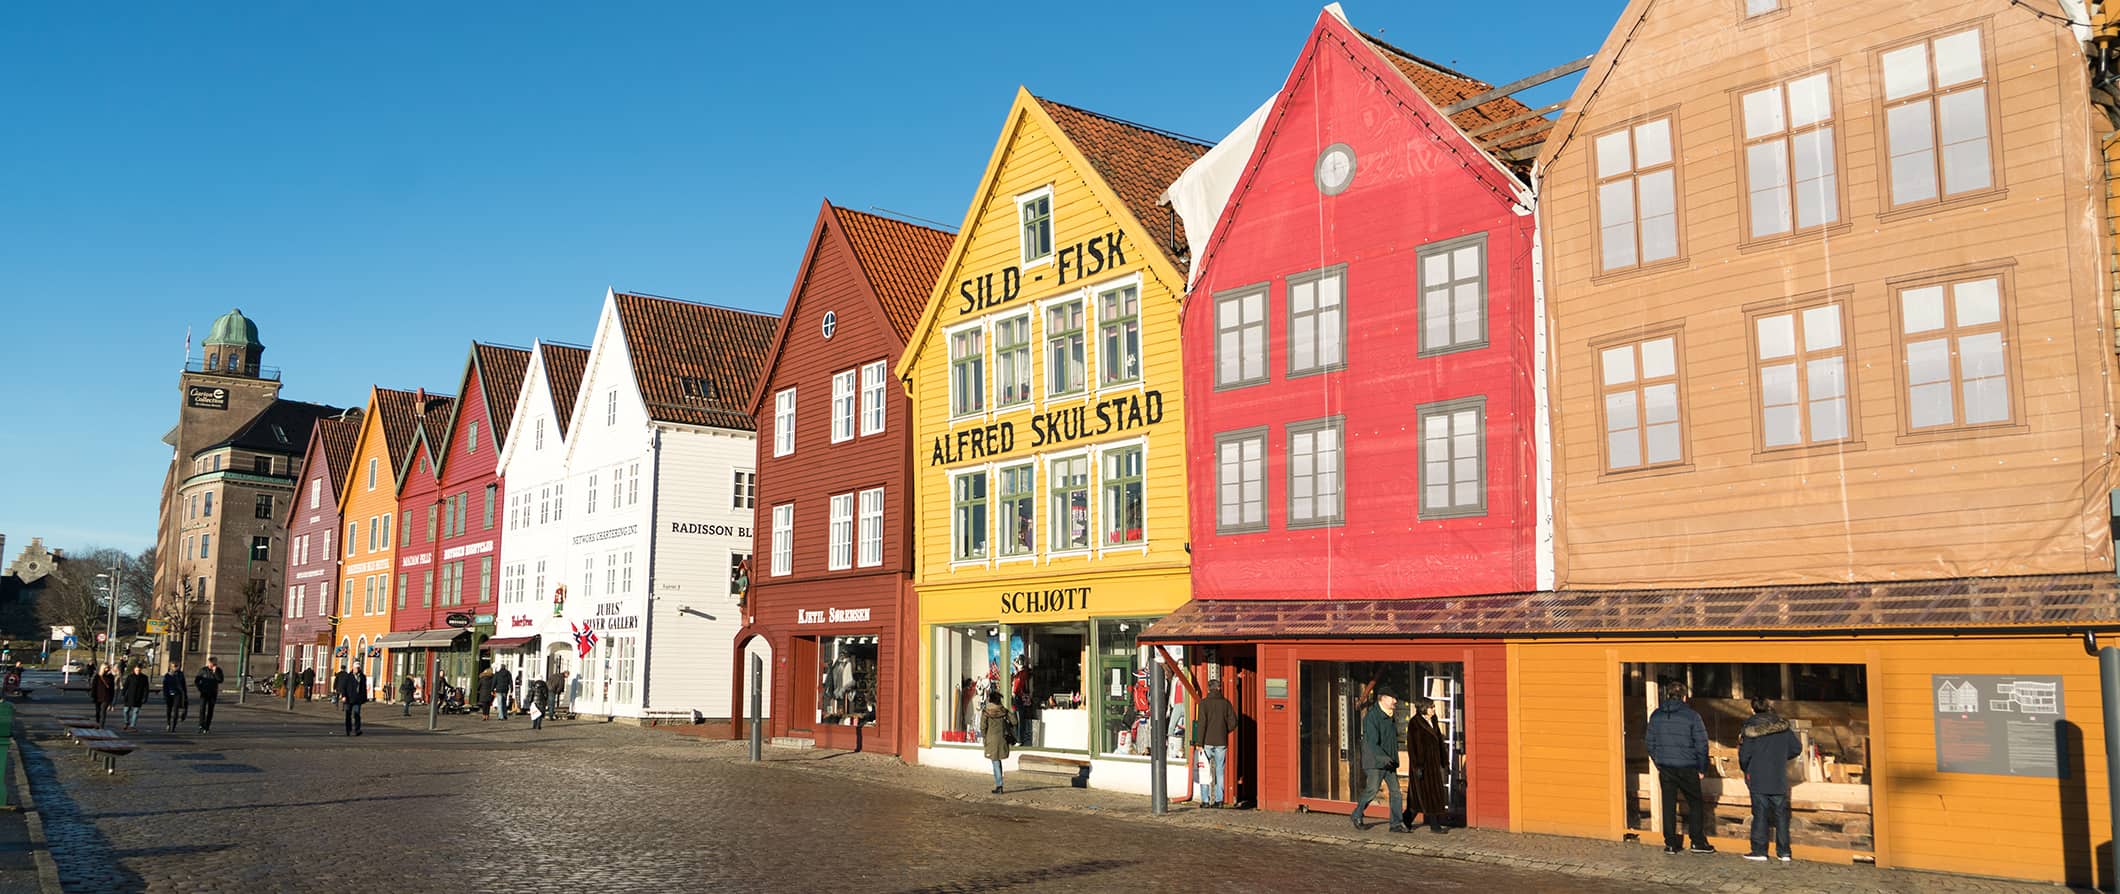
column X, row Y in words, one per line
column 883, row 594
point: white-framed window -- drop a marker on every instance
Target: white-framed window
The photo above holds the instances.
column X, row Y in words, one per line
column 373, row 462
column 611, row 407
column 1317, row 321
column 870, row 533
column 1066, row 361
column 1791, row 169
column 841, row 553
column 783, row 538
column 1068, row 488
column 1018, row 513
column 618, row 488
column 968, row 525
column 873, row 376
column 1637, row 195
column 1453, row 458
column 968, row 371
column 1936, row 118
column 1034, row 210
column 588, row 576
column 559, row 500
column 537, row 434
column 374, row 526
column 1119, row 335
column 592, row 494
column 1240, row 481
column 353, row 537
column 316, row 491
column 1454, row 294
column 1124, row 514
column 471, row 436
column 611, row 572
column 625, row 572
column 1314, row 464
column 544, row 505
column 844, row 405
column 386, row 529
column 745, row 490
column 784, row 422
column 1012, row 360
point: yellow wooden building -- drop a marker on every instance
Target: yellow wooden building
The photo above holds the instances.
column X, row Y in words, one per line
column 369, row 512
column 1048, row 460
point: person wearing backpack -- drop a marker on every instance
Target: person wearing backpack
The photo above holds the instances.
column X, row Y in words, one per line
column 1764, row 754
column 997, row 729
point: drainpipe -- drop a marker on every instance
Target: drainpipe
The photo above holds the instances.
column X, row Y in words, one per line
column 647, row 606
column 2109, row 689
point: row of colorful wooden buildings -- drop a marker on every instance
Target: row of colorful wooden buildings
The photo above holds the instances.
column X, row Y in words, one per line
column 1775, row 360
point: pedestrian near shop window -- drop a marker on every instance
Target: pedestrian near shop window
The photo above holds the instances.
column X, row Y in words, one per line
column 1380, row 759
column 209, row 683
column 338, row 682
column 352, row 697
column 1764, row 754
column 483, row 691
column 997, row 730
column 1678, row 744
column 537, row 704
column 134, row 694
column 1425, row 749
column 172, row 696
column 503, row 690
column 1217, row 719
column 103, row 690
column 405, row 695
column 309, row 682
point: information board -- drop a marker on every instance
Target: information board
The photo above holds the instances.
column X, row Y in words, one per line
column 1999, row 725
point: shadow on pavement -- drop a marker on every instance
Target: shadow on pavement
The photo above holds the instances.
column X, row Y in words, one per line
column 1002, row 881
column 247, row 807
column 85, row 858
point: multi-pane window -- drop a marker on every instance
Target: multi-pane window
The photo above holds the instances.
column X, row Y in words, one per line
column 559, row 501
column 1119, row 335
column 485, row 579
column 588, row 576
column 1936, row 118
column 1637, row 195
column 316, row 491
column 1065, row 360
column 1803, row 376
column 611, row 573
column 1453, row 458
column 1122, row 496
column 471, row 436
column 618, row 487
column 746, row 490
column 840, row 554
column 1317, row 321
column 592, row 493
column 264, row 506
column 375, row 527
column 783, row 538
column 208, row 512
column 1019, row 523
column 611, row 407
column 1761, row 7
column 625, row 571
column 433, row 523
column 544, row 507
column 872, row 411
column 968, row 516
column 1240, row 481
column 1035, row 210
column 1454, row 294
column 1069, row 517
column 493, row 492
column 427, row 589
column 1314, row 473
column 260, row 548
column 967, row 371
column 1012, row 360
column 783, row 424
column 372, row 462
column 537, row 432
column 844, row 405
column 353, row 536
column 1957, row 355
column 1790, row 164
column 1240, row 337
column 403, row 578
column 1639, row 381
column 871, row 531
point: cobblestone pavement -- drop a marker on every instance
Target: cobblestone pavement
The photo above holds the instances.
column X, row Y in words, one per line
column 278, row 802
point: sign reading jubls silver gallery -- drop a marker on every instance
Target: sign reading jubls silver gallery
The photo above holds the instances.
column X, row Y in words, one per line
column 831, row 616
column 608, row 617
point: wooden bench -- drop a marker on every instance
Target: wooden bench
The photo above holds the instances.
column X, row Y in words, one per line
column 1074, row 770
column 110, row 750
column 86, row 734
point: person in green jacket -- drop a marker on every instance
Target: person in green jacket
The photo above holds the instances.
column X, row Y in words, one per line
column 1380, row 759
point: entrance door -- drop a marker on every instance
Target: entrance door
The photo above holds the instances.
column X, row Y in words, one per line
column 1240, row 684
column 803, row 684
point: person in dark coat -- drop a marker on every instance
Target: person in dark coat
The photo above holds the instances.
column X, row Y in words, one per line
column 134, row 692
column 309, row 682
column 1678, row 744
column 1425, row 747
column 997, row 728
column 172, row 696
column 1764, row 754
column 503, row 690
column 1380, row 759
column 209, row 684
column 338, row 682
column 405, row 695
column 353, row 693
column 482, row 689
column 103, row 690
column 1217, row 718
column 537, row 704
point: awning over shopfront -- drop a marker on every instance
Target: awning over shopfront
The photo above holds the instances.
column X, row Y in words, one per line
column 436, row 639
column 508, row 642
column 394, row 640
column 2056, row 603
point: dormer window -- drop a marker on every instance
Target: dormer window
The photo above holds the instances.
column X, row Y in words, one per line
column 696, row 387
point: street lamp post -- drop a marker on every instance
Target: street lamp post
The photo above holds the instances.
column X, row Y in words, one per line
column 110, row 635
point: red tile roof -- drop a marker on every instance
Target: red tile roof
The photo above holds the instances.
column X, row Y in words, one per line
column 902, row 261
column 1445, row 87
column 564, row 367
column 340, row 437
column 434, row 429
column 399, row 414
column 1138, row 163
column 501, row 370
column 671, row 340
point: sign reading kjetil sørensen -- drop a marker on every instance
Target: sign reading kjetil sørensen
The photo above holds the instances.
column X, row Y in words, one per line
column 1058, row 599
column 1125, row 412
column 831, row 616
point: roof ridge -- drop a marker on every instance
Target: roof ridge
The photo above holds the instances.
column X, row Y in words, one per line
column 1146, row 128
column 892, row 219
column 654, row 297
column 1394, row 49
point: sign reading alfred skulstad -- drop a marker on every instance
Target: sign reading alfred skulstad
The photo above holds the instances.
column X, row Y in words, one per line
column 1999, row 725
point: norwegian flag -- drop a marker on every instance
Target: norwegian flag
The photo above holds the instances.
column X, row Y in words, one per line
column 584, row 639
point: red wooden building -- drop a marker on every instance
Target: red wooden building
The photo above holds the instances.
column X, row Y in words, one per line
column 1359, row 354
column 830, row 591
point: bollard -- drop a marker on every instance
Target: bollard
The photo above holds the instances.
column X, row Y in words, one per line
column 290, row 691
column 1159, row 740
column 7, row 732
column 2109, row 689
column 758, row 690
column 434, row 707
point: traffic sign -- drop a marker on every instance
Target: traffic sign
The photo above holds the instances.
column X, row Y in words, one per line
column 71, row 642
column 157, row 627
column 102, row 637
column 62, row 631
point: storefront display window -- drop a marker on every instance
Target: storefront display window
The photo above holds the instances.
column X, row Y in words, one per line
column 1335, row 695
column 1046, row 689
column 967, row 667
column 846, row 686
column 1122, row 691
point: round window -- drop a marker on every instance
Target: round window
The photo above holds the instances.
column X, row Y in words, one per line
column 831, row 323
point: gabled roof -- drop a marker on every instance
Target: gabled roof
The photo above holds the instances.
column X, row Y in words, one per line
column 398, row 412
column 430, row 435
column 900, row 259
column 564, row 367
column 282, row 427
column 340, row 436
column 1445, row 88
column 500, row 371
column 670, row 341
column 1138, row 163
column 1594, row 78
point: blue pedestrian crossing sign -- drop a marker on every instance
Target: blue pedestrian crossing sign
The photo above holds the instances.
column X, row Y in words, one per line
column 72, row 643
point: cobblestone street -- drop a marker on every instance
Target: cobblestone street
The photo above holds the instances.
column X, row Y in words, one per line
column 270, row 801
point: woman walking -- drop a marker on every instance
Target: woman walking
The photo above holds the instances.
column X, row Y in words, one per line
column 1424, row 744
column 998, row 729
column 103, row 691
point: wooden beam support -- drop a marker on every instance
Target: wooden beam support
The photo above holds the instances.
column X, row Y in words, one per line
column 1559, row 71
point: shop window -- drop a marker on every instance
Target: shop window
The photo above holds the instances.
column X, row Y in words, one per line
column 1453, row 458
column 1643, row 426
column 1122, row 500
column 872, row 409
column 840, row 554
column 1240, row 337
column 1802, row 376
column 1637, row 195
column 1069, row 483
column 1953, row 336
column 1119, row 335
column 967, row 666
column 1012, row 360
column 1019, row 523
column 1035, row 210
column 967, row 371
column 783, row 425
column 1065, row 363
column 1334, row 696
column 845, row 405
column 1121, row 682
column 968, row 516
column 1936, row 108
column 1454, row 295
column 1790, row 161
column 1240, row 481
column 1317, row 321
column 847, row 680
column 1314, row 473
column 1046, row 665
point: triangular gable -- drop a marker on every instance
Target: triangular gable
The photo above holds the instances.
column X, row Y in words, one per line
column 564, row 367
column 1030, row 111
column 488, row 365
column 437, row 417
column 1594, row 77
column 330, row 448
column 669, row 341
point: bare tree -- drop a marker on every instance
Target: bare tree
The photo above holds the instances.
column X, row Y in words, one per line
column 252, row 615
column 72, row 597
column 175, row 612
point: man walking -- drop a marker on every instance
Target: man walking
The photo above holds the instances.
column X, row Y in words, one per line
column 172, row 696
column 1769, row 744
column 405, row 694
column 1211, row 729
column 1380, row 759
column 503, row 690
column 338, row 682
column 309, row 681
column 134, row 694
column 353, row 693
column 209, row 683
column 1678, row 745
column 103, row 690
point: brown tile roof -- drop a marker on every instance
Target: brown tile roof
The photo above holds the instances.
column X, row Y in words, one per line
column 902, row 261
column 1138, row 163
column 671, row 340
column 564, row 367
column 340, row 437
column 435, row 420
column 2065, row 601
column 501, row 370
column 399, row 414
column 1444, row 87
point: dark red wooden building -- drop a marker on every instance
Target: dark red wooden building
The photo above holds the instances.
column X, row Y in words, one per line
column 307, row 622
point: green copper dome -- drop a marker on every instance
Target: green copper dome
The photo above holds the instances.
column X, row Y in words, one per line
column 234, row 329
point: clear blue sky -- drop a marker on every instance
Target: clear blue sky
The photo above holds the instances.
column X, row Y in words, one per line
column 378, row 184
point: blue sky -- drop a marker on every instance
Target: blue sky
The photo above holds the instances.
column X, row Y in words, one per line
column 378, row 184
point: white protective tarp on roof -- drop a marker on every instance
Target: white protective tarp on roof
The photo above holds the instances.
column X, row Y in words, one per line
column 1200, row 192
